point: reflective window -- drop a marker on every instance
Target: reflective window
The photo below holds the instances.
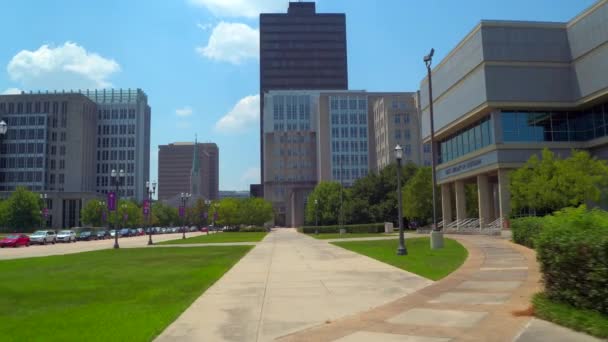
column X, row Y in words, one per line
column 466, row 140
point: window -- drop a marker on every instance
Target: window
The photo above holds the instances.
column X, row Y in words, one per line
column 397, row 118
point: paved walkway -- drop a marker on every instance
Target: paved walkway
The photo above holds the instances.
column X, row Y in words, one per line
column 475, row 303
column 287, row 283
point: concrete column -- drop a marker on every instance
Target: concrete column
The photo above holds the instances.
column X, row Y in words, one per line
column 461, row 202
column 446, row 203
column 483, row 193
column 491, row 203
column 504, row 194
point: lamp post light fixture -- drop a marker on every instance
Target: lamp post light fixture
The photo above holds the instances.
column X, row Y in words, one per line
column 151, row 189
column 117, row 178
column 401, row 250
column 436, row 233
column 184, row 197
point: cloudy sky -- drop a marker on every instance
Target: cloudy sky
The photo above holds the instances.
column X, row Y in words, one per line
column 198, row 59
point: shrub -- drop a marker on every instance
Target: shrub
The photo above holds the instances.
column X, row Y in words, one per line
column 526, row 229
column 572, row 249
column 353, row 229
column 253, row 229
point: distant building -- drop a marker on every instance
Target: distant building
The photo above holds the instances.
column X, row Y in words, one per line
column 123, row 139
column 188, row 167
column 301, row 49
column 50, row 147
column 234, row 194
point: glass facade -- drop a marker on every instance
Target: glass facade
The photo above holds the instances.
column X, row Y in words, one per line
column 349, row 134
column 536, row 126
column 291, row 112
column 469, row 139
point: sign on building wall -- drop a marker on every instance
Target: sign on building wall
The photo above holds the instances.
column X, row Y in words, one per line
column 468, row 165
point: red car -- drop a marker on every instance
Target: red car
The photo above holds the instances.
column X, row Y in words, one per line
column 204, row 230
column 15, row 240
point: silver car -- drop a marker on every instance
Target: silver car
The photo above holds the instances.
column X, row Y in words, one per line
column 43, row 237
column 66, row 236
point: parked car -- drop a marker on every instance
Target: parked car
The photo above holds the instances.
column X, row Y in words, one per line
column 86, row 235
column 43, row 237
column 66, row 236
column 102, row 234
column 140, row 231
column 15, row 240
column 205, row 229
column 113, row 232
column 125, row 232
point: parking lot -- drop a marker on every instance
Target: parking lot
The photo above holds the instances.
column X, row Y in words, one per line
column 85, row 246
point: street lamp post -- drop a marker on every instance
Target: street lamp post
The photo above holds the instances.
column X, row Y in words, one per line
column 184, row 197
column 151, row 189
column 401, row 250
column 117, row 178
column 436, row 234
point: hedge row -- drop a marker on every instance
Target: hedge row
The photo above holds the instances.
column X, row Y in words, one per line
column 572, row 249
column 245, row 229
column 353, row 229
column 526, row 229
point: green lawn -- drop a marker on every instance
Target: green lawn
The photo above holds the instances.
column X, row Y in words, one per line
column 588, row 321
column 218, row 238
column 348, row 235
column 109, row 295
column 431, row 264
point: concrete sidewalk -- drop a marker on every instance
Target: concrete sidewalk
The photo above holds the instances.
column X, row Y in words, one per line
column 289, row 282
column 474, row 303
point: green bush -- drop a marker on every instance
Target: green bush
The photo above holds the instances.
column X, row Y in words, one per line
column 353, row 229
column 526, row 229
column 252, row 229
column 572, row 249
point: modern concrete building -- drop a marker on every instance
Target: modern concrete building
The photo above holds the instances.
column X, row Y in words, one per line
column 509, row 89
column 123, row 139
column 50, row 148
column 177, row 165
column 316, row 135
column 301, row 49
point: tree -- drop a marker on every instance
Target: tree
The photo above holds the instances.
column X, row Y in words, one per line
column 93, row 213
column 255, row 211
column 165, row 215
column 23, row 210
column 327, row 195
column 127, row 214
column 227, row 211
column 196, row 213
column 551, row 183
column 418, row 196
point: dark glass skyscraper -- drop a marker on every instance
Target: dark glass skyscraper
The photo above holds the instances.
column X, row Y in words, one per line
column 301, row 49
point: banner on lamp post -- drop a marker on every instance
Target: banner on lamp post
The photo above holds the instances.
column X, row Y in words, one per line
column 111, row 201
column 146, row 207
column 182, row 211
column 45, row 213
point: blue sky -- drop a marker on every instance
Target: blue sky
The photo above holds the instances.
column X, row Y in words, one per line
column 197, row 59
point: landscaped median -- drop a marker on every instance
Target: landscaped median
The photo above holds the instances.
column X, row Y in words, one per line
column 430, row 263
column 108, row 295
column 220, row 237
column 350, row 235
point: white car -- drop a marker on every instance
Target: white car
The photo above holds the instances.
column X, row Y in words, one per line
column 66, row 236
column 43, row 237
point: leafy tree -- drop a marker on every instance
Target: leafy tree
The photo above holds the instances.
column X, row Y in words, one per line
column 22, row 210
column 327, row 195
column 255, row 211
column 228, row 212
column 471, row 199
column 165, row 215
column 418, row 196
column 93, row 213
column 127, row 214
column 551, row 183
column 196, row 213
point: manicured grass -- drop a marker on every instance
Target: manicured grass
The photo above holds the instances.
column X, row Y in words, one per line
column 421, row 259
column 109, row 295
column 587, row 321
column 218, row 238
column 348, row 235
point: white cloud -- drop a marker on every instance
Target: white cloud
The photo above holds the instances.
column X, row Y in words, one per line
column 11, row 91
column 251, row 176
column 242, row 8
column 231, row 42
column 244, row 114
column 68, row 66
column 183, row 112
column 204, row 27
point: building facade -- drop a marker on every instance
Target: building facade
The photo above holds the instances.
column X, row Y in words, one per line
column 301, row 49
column 177, row 164
column 123, row 139
column 507, row 91
column 50, row 148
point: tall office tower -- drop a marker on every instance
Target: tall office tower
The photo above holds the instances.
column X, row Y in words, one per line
column 301, row 49
column 177, row 164
column 123, row 139
column 397, row 122
column 50, row 148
